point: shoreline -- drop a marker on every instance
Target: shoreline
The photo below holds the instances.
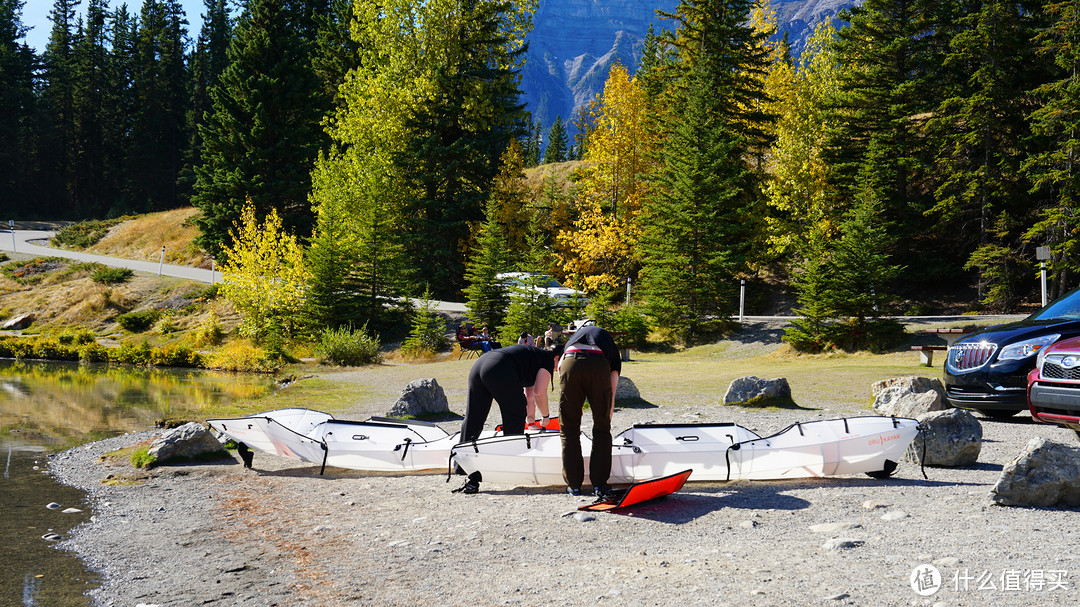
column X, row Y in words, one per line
column 280, row 534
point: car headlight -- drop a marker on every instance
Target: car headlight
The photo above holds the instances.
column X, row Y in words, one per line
column 1026, row 348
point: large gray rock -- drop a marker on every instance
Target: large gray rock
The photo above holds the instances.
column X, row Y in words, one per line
column 947, row 438
column 745, row 389
column 184, row 442
column 1045, row 473
column 18, row 323
column 912, row 383
column 908, row 396
column 421, row 396
column 626, row 389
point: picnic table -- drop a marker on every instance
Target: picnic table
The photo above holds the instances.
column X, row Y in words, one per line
column 950, row 335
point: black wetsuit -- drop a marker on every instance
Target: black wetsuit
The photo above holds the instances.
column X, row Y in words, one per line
column 502, row 374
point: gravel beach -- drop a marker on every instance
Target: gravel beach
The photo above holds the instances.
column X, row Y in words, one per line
column 280, row 534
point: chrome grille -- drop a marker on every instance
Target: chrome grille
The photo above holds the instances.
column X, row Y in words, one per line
column 969, row 356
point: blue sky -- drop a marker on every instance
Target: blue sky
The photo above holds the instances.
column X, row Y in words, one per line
column 36, row 14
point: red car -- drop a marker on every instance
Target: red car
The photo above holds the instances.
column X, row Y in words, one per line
column 1054, row 385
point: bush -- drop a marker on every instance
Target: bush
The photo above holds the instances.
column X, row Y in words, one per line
column 348, row 348
column 111, row 276
column 175, row 356
column 52, row 349
column 86, row 233
column 428, row 334
column 15, row 347
column 93, row 353
column 128, row 354
column 632, row 322
column 137, row 322
column 209, row 332
column 77, row 337
column 878, row 335
column 241, row 356
column 141, row 458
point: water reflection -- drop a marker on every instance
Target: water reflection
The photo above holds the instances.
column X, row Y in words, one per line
column 57, row 405
column 67, row 403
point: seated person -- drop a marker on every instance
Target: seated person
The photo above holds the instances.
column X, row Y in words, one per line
column 553, row 336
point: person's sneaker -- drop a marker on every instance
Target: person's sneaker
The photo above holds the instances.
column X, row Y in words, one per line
column 572, row 491
column 604, row 492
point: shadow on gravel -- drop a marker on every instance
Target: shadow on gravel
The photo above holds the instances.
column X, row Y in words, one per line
column 634, row 403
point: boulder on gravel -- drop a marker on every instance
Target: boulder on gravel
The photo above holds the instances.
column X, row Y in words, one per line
column 420, row 396
column 745, row 389
column 947, row 438
column 1045, row 473
column 912, row 383
column 626, row 389
column 184, row 442
column 908, row 396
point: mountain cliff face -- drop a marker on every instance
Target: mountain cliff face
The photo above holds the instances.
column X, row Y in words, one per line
column 574, row 43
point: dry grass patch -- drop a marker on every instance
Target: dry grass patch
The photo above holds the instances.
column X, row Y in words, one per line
column 142, row 238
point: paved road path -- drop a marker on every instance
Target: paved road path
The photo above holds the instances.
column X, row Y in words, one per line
column 31, row 242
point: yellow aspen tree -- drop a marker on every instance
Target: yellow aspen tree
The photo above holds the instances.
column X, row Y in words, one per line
column 599, row 250
column 264, row 277
column 799, row 195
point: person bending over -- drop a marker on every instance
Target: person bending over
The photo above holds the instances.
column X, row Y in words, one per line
column 588, row 370
column 516, row 378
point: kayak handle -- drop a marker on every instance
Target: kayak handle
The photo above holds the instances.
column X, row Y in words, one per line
column 359, row 437
column 687, row 438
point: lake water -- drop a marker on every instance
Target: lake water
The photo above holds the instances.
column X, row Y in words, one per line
column 52, row 406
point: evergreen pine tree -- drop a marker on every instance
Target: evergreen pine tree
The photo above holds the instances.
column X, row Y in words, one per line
column 486, row 298
column 158, row 140
column 119, row 109
column 697, row 221
column 982, row 129
column 90, row 68
column 891, row 80
column 17, row 100
column 556, row 142
column 532, row 146
column 264, row 134
column 207, row 61
column 57, row 128
column 1054, row 171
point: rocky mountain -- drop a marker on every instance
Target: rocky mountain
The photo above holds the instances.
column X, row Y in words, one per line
column 574, row 43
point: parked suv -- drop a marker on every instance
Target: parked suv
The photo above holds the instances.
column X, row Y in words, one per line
column 1054, row 385
column 987, row 370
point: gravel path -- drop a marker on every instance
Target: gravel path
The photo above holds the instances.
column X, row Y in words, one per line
column 282, row 535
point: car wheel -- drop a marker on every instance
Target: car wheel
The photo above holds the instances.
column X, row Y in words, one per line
column 997, row 413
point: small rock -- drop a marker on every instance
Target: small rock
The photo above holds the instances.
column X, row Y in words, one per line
column 52, row 537
column 895, row 515
column 874, row 505
column 837, row 597
column 748, row 524
column 583, row 517
column 71, row 510
column 842, row 543
column 833, row 527
column 53, row 506
column 948, row 561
